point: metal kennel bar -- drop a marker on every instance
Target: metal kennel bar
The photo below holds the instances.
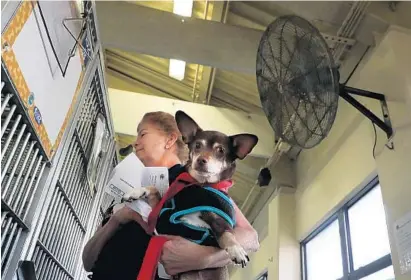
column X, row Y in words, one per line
column 63, row 212
column 67, row 220
column 48, row 211
column 95, row 217
column 22, row 166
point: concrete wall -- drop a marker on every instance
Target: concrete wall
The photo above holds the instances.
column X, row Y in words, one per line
column 267, row 258
column 394, row 166
column 279, row 253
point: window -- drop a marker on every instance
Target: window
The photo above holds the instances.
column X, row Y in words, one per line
column 353, row 244
column 368, row 229
column 325, row 248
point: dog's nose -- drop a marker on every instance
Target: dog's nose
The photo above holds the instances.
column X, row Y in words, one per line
column 202, row 161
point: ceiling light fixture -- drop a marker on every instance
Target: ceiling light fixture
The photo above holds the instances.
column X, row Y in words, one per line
column 183, row 7
column 176, row 69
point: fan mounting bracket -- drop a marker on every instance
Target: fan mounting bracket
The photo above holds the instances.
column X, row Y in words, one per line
column 331, row 39
column 385, row 124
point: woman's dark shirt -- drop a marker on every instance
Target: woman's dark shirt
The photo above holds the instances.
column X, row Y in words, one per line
column 122, row 255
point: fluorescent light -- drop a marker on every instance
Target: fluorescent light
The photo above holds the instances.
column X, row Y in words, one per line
column 183, row 7
column 177, row 69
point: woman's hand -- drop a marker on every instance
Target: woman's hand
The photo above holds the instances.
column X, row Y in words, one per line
column 180, row 255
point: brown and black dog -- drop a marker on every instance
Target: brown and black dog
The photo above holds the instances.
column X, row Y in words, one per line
column 212, row 159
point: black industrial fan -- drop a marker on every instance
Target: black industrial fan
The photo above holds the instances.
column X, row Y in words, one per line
column 298, row 83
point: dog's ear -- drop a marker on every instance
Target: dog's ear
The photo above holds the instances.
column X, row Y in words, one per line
column 243, row 144
column 187, row 126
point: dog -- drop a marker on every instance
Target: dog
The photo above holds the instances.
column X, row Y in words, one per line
column 212, row 159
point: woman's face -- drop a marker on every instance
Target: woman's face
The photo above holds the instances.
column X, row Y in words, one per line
column 150, row 145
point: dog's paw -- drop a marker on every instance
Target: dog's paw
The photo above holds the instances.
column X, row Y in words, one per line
column 136, row 194
column 238, row 255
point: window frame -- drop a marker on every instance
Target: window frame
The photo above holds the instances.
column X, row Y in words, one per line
column 341, row 215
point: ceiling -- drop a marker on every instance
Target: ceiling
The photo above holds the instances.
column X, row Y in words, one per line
column 149, row 75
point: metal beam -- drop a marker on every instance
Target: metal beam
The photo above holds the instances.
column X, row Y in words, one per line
column 205, row 87
column 138, row 29
column 128, row 108
column 156, row 83
column 220, row 9
column 249, row 11
column 225, row 99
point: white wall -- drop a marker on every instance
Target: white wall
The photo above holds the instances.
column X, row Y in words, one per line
column 289, row 248
column 331, row 173
column 128, row 108
column 266, row 259
column 350, row 168
column 394, row 166
column 279, row 251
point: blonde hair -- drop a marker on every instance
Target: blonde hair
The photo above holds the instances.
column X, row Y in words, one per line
column 167, row 124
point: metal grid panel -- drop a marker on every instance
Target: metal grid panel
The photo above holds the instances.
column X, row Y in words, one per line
column 105, row 172
column 64, row 226
column 22, row 166
column 61, row 237
column 105, row 203
column 53, row 236
column 92, row 24
column 106, row 199
column 92, row 106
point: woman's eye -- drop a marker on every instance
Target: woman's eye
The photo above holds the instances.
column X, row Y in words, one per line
column 198, row 145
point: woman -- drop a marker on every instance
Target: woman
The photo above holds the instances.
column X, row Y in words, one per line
column 118, row 246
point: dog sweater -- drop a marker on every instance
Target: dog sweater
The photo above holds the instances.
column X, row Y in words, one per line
column 185, row 196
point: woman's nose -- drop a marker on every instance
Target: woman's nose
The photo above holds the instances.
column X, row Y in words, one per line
column 135, row 144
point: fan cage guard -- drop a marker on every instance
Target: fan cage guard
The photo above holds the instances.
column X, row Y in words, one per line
column 296, row 83
column 299, row 87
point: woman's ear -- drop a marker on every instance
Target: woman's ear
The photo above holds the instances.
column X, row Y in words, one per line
column 171, row 140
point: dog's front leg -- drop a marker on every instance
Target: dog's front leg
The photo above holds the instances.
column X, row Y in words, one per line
column 225, row 237
column 151, row 194
column 136, row 194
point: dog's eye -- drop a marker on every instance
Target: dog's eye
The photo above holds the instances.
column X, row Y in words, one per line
column 198, row 145
column 220, row 150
